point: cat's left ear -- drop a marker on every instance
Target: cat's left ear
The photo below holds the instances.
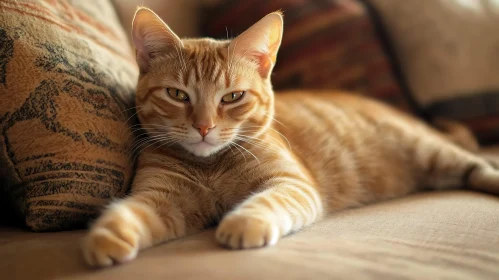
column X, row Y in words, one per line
column 260, row 42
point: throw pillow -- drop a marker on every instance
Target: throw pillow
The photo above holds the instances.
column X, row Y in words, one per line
column 67, row 77
column 448, row 52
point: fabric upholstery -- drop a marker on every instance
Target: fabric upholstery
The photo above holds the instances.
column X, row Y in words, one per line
column 448, row 235
column 448, row 55
column 67, row 78
column 326, row 45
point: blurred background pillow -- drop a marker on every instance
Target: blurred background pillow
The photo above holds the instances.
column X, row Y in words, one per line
column 449, row 55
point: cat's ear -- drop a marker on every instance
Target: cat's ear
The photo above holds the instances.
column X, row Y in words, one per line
column 260, row 42
column 151, row 37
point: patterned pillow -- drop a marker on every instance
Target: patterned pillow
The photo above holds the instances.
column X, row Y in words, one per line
column 326, row 45
column 448, row 51
column 67, row 77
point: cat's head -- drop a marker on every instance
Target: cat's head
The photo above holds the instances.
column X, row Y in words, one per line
column 205, row 94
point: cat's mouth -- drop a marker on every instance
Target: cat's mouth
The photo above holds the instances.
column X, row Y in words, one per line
column 202, row 148
column 203, row 144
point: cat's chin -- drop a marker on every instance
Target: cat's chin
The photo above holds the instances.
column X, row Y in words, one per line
column 202, row 149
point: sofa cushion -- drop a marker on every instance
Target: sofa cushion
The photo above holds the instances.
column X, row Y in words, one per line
column 67, row 76
column 448, row 54
column 447, row 235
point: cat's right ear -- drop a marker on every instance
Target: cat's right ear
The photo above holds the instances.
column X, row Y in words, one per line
column 151, row 37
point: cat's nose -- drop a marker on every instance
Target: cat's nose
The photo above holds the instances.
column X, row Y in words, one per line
column 203, row 129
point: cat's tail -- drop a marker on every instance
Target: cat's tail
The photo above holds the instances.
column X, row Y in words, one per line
column 458, row 133
column 462, row 136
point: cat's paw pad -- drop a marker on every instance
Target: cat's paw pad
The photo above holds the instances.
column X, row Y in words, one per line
column 243, row 232
column 104, row 247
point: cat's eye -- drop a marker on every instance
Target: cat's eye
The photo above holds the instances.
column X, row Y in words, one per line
column 233, row 96
column 177, row 94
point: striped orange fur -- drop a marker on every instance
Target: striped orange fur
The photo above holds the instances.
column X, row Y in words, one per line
column 260, row 166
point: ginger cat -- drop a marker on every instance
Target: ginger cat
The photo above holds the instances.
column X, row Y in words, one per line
column 222, row 148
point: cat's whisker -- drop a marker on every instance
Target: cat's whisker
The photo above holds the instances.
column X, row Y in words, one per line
column 256, row 138
column 153, row 137
column 138, row 138
column 274, row 119
column 167, row 141
column 134, row 115
column 152, row 127
column 232, row 143
column 128, row 135
column 125, row 128
column 150, row 139
column 151, row 133
column 262, row 145
column 151, row 124
column 166, row 127
column 131, row 108
column 247, row 151
column 143, row 132
column 145, row 144
column 254, row 131
column 163, row 129
column 135, row 125
column 285, row 138
column 170, row 142
column 242, row 140
column 231, row 150
column 155, row 141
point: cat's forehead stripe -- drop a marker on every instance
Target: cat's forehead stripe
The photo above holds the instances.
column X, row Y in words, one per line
column 217, row 73
column 206, row 66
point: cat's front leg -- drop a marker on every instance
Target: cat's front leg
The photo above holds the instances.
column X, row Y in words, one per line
column 130, row 225
column 285, row 205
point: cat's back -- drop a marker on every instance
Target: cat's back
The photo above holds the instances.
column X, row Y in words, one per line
column 348, row 138
column 334, row 103
column 335, row 112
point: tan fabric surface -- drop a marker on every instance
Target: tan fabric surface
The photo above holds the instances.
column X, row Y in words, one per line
column 434, row 235
column 445, row 47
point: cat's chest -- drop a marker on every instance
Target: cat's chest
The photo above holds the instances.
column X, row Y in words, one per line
column 224, row 181
column 216, row 179
column 210, row 175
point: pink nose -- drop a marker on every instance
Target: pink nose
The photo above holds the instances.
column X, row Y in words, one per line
column 203, row 129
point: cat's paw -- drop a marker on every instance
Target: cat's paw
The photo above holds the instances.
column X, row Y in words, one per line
column 243, row 232
column 105, row 246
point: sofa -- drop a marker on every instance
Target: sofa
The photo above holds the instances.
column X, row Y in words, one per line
column 447, row 235
column 431, row 235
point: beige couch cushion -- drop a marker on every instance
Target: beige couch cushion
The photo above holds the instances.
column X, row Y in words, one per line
column 447, row 51
column 452, row 235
